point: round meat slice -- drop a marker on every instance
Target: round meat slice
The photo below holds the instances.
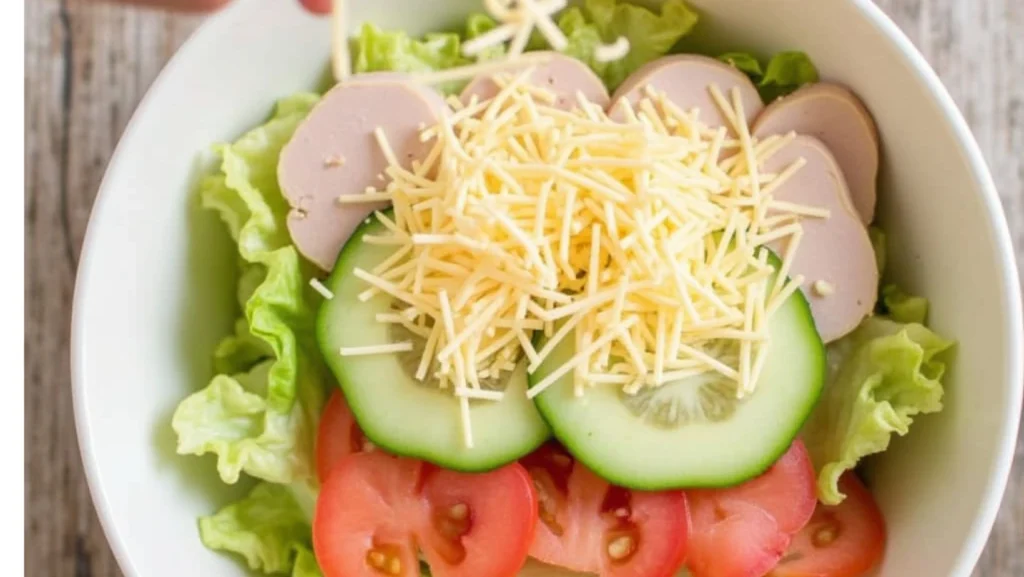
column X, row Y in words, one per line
column 835, row 253
column 334, row 152
column 560, row 74
column 686, row 80
column 835, row 116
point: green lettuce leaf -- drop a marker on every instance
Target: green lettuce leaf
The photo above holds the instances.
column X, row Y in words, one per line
column 650, row 34
column 377, row 50
column 784, row 73
column 232, row 418
column 305, row 564
column 883, row 374
column 259, row 414
column 479, row 24
column 894, row 302
column 395, row 51
column 745, row 63
column 241, row 351
column 268, row 529
column 903, row 307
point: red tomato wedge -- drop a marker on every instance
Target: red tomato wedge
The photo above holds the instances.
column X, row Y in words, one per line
column 587, row 525
column 846, row 540
column 743, row 531
column 337, row 436
column 374, row 510
column 733, row 539
column 786, row 491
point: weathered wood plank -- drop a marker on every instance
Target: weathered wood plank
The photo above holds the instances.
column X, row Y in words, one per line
column 87, row 66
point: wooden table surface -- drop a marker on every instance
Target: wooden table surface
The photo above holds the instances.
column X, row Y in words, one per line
column 87, row 66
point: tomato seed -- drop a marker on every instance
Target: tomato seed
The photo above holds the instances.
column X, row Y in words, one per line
column 825, row 535
column 395, row 566
column 621, row 547
column 622, row 512
column 376, row 559
column 459, row 512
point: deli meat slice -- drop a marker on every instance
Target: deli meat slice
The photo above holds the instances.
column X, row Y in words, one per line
column 836, row 117
column 834, row 250
column 334, row 152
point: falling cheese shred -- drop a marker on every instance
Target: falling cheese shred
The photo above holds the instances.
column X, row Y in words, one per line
column 517, row 20
column 638, row 242
column 320, row 288
column 341, row 61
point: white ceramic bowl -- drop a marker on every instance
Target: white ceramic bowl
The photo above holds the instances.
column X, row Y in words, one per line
column 154, row 291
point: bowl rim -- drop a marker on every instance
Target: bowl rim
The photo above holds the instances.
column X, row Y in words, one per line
column 1010, row 288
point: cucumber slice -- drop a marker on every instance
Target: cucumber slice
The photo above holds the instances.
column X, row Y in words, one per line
column 397, row 412
column 691, row 433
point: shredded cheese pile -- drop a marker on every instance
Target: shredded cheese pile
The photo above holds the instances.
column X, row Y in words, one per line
column 639, row 240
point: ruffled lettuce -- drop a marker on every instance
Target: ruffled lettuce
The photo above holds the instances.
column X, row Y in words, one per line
column 268, row 528
column 744, row 62
column 477, row 25
column 883, row 375
column 259, row 418
column 259, row 413
column 651, row 34
column 240, row 351
column 395, row 51
column 378, row 50
column 903, row 307
column 784, row 73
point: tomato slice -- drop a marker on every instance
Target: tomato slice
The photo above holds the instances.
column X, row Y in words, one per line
column 361, row 526
column 479, row 524
column 337, row 436
column 733, row 539
column 786, row 491
column 743, row 531
column 375, row 509
column 846, row 540
column 587, row 525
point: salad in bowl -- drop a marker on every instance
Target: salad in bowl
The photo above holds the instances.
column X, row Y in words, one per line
column 555, row 294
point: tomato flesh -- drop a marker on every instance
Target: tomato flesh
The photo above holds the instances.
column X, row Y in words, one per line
column 786, row 491
column 733, row 539
column 361, row 526
column 338, row 435
column 845, row 540
column 478, row 524
column 743, row 531
column 375, row 511
column 587, row 525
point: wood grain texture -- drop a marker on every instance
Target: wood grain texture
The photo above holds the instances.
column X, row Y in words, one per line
column 87, row 67
column 89, row 64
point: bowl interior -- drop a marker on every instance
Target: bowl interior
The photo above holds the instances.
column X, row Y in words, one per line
column 154, row 293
